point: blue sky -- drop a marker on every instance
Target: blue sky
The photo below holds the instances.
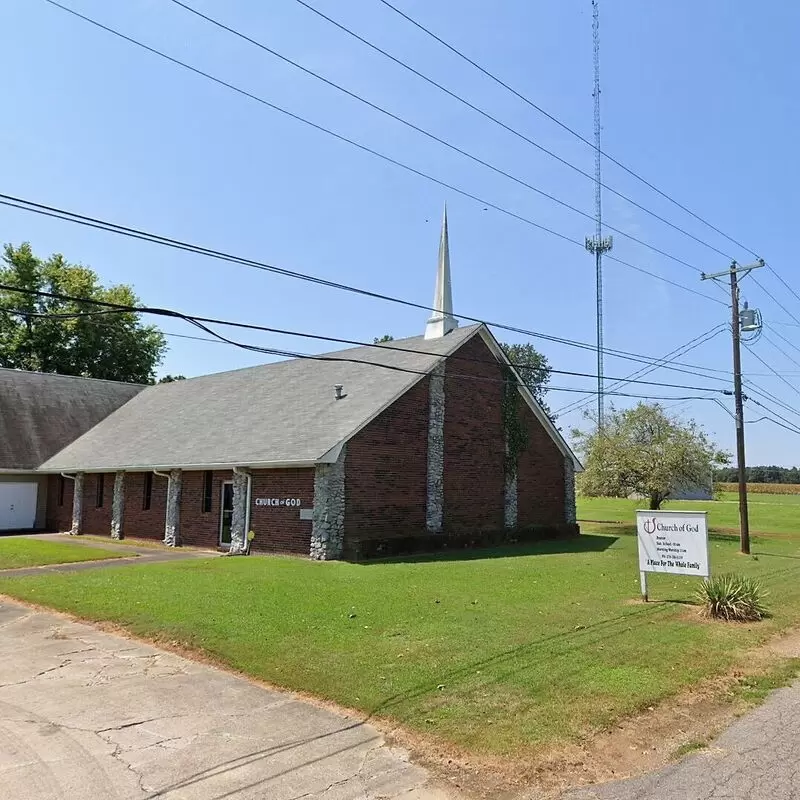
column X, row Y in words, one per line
column 698, row 99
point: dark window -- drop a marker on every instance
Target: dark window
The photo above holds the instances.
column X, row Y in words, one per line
column 148, row 491
column 61, row 482
column 208, row 486
column 101, row 489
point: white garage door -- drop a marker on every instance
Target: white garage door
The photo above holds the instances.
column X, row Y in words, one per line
column 18, row 506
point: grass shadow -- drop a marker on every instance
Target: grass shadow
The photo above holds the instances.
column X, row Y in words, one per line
column 585, row 543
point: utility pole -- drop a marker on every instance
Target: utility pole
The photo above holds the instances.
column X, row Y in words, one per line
column 736, row 328
column 597, row 244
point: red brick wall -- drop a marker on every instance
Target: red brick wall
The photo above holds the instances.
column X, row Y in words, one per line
column 279, row 529
column 59, row 517
column 386, row 469
column 198, row 527
column 540, row 476
column 96, row 520
column 138, row 522
column 473, row 441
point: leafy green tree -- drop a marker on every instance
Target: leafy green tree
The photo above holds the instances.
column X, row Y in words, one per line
column 644, row 451
column 171, row 378
column 98, row 344
column 534, row 369
column 387, row 337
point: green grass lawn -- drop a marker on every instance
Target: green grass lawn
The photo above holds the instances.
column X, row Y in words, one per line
column 495, row 652
column 769, row 513
column 20, row 552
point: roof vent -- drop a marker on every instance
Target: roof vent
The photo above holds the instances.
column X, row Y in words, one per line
column 339, row 391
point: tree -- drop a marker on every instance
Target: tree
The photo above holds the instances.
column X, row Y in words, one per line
column 171, row 378
column 533, row 368
column 387, row 337
column 644, row 451
column 97, row 344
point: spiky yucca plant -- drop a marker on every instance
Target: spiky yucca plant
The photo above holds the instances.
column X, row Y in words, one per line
column 734, row 598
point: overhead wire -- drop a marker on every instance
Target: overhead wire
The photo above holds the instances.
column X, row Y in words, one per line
column 675, row 353
column 348, row 140
column 454, row 95
column 562, row 124
column 111, row 227
column 107, row 308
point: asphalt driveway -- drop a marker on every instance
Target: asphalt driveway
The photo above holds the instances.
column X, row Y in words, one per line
column 90, row 715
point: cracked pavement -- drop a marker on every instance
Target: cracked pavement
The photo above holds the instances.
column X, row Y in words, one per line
column 756, row 758
column 93, row 715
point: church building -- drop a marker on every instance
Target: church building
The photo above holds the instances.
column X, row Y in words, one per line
column 381, row 449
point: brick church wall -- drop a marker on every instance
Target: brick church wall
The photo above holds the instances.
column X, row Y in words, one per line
column 386, row 470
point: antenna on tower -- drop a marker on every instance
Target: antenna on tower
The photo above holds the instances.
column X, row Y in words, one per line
column 598, row 244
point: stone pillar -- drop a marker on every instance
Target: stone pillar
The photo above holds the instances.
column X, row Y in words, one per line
column 434, row 508
column 172, row 532
column 570, row 515
column 239, row 518
column 510, row 502
column 118, row 507
column 327, row 529
column 77, row 505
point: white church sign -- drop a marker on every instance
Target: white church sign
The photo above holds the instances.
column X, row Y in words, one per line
column 672, row 541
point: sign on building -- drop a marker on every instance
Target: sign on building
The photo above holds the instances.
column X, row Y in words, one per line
column 672, row 541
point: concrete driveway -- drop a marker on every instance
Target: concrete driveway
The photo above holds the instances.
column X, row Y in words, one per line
column 89, row 715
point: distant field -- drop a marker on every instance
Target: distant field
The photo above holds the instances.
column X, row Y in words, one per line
column 769, row 513
column 762, row 488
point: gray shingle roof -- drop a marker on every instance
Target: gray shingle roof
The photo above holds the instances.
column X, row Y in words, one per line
column 41, row 413
column 279, row 413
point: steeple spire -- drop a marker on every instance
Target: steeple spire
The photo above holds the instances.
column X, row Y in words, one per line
column 442, row 320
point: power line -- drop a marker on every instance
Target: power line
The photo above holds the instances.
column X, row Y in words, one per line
column 658, row 364
column 781, row 336
column 775, row 273
column 110, row 227
column 773, row 371
column 794, row 428
column 781, row 350
column 110, row 308
column 459, row 98
column 358, row 97
column 561, row 124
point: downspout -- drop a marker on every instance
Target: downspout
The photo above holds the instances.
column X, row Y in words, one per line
column 65, row 475
column 161, row 474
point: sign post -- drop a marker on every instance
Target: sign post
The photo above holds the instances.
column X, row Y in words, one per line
column 672, row 541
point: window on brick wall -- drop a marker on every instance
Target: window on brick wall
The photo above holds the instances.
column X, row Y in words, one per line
column 208, row 490
column 101, row 489
column 61, row 482
column 148, row 491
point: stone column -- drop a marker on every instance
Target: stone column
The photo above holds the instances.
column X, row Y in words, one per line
column 434, row 508
column 77, row 505
column 570, row 515
column 327, row 529
column 510, row 494
column 239, row 518
column 172, row 532
column 118, row 507
column 510, row 502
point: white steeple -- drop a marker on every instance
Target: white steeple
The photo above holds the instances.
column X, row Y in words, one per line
column 442, row 321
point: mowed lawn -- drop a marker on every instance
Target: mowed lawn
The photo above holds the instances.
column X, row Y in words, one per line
column 499, row 651
column 17, row 551
column 769, row 513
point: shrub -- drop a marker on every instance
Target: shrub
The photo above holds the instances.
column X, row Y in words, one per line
column 732, row 598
